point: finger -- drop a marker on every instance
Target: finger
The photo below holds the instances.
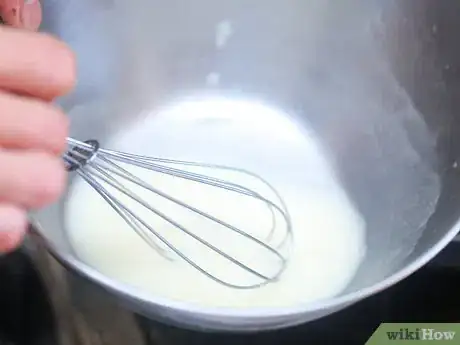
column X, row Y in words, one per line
column 35, row 64
column 13, row 225
column 25, row 14
column 21, row 13
column 31, row 124
column 9, row 11
column 31, row 15
column 31, row 179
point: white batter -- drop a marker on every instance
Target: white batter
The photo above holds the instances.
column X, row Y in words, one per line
column 329, row 234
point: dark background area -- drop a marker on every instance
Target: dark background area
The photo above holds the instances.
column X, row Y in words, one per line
column 430, row 295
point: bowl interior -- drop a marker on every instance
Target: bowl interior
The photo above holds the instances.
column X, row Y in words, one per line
column 361, row 74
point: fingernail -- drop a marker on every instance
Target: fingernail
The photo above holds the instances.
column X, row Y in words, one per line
column 31, row 14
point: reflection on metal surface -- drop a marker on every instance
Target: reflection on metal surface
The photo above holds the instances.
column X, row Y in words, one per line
column 370, row 77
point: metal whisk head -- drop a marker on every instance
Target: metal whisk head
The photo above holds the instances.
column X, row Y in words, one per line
column 108, row 173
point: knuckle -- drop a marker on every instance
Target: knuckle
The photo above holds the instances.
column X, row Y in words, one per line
column 69, row 70
column 57, row 129
column 48, row 127
column 33, row 124
column 50, row 179
column 64, row 58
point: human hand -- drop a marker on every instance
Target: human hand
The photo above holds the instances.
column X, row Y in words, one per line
column 21, row 13
column 34, row 70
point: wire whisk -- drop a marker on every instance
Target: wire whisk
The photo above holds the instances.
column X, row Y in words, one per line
column 105, row 169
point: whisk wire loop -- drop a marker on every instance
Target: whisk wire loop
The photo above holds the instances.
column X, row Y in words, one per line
column 99, row 166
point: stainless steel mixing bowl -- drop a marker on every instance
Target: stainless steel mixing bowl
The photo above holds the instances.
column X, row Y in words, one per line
column 377, row 80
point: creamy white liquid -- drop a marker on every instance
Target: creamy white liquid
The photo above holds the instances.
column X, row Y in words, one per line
column 329, row 234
